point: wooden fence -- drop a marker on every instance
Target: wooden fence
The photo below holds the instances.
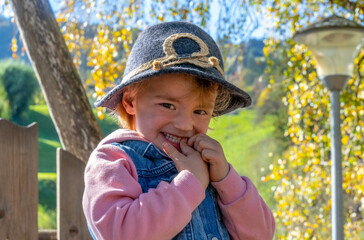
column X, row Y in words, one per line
column 19, row 188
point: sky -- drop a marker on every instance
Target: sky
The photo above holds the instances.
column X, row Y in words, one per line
column 8, row 13
column 257, row 33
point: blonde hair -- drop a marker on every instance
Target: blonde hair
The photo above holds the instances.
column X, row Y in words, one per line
column 206, row 87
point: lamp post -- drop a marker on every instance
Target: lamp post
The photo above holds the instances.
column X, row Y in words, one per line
column 334, row 43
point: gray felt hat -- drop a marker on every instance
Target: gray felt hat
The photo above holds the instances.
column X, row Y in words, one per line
column 175, row 47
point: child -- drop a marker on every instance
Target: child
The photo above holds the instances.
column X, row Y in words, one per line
column 162, row 177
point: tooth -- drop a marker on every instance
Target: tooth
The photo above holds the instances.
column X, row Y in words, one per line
column 172, row 138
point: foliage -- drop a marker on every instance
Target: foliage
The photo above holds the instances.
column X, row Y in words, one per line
column 47, row 219
column 302, row 174
column 47, row 190
column 47, row 215
column 20, row 85
column 5, row 109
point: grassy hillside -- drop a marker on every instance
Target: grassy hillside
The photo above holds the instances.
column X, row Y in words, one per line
column 246, row 143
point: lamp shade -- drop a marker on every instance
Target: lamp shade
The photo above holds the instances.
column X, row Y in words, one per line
column 334, row 43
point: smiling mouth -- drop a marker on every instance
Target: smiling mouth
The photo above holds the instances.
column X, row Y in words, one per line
column 172, row 138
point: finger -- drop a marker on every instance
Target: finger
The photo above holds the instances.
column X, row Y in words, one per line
column 172, row 152
column 194, row 140
column 205, row 143
column 186, row 149
column 207, row 155
column 191, row 140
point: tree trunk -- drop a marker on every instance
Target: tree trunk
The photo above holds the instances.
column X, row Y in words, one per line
column 66, row 98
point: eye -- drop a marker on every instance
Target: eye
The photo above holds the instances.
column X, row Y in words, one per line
column 200, row 112
column 168, row 105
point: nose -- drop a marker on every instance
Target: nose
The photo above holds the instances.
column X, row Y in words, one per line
column 183, row 121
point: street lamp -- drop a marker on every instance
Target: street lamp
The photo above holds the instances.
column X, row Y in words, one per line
column 334, row 43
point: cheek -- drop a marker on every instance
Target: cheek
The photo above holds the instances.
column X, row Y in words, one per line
column 149, row 119
column 202, row 125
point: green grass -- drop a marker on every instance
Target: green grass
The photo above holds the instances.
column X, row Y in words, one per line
column 246, row 143
column 47, row 176
column 47, row 155
column 48, row 138
column 40, row 114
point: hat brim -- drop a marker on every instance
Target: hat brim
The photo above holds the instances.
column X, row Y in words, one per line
column 239, row 98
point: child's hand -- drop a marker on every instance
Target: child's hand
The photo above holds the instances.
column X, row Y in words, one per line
column 212, row 153
column 189, row 160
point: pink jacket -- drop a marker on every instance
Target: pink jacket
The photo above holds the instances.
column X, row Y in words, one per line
column 116, row 208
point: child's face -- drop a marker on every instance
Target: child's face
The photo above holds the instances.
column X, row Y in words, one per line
column 170, row 109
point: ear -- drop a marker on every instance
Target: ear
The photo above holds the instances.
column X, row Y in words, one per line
column 129, row 102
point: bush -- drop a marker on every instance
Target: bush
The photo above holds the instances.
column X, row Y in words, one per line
column 47, row 213
column 47, row 193
column 20, row 84
column 5, row 110
column 47, row 219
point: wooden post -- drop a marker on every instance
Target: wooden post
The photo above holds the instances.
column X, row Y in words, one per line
column 71, row 222
column 18, row 181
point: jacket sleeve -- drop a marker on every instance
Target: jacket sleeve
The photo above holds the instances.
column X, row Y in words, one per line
column 115, row 207
column 245, row 213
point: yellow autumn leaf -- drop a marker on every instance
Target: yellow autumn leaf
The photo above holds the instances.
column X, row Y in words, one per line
column 345, row 139
column 14, row 45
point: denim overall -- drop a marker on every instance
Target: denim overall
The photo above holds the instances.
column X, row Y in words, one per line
column 154, row 166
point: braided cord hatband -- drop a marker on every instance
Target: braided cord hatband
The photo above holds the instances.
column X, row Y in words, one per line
column 171, row 57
